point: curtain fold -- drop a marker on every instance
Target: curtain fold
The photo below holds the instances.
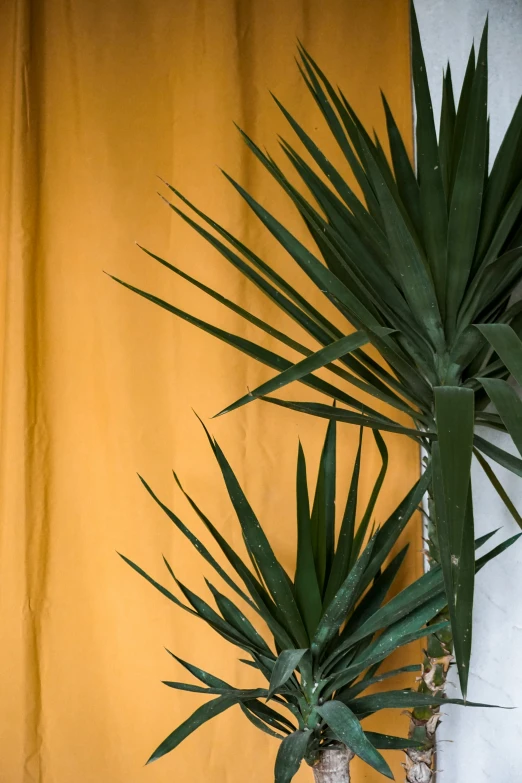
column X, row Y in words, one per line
column 96, row 385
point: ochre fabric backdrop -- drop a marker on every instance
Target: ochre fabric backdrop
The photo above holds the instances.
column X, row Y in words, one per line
column 97, row 99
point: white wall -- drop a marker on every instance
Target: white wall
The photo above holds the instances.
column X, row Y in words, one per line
column 480, row 745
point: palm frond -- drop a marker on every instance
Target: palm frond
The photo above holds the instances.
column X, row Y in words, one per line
column 428, row 252
column 329, row 627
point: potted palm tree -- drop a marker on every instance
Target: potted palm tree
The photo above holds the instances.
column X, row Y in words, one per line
column 422, row 262
column 330, row 627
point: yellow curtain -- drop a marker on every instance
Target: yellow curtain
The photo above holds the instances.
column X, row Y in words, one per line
column 97, row 99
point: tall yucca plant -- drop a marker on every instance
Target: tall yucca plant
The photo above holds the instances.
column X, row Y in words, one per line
column 329, row 626
column 423, row 266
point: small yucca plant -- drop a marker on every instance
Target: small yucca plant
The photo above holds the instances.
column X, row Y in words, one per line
column 329, row 627
column 423, row 265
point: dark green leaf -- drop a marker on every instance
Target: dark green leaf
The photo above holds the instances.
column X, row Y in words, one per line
column 466, row 198
column 507, row 344
column 234, row 693
column 342, row 187
column 500, row 180
column 433, row 201
column 346, row 255
column 203, row 714
column 462, row 114
column 203, row 551
column 374, row 597
column 304, row 313
column 312, row 69
column 415, row 277
column 303, row 368
column 248, row 316
column 509, row 406
column 200, row 674
column 447, row 129
column 341, row 414
column 270, row 716
column 496, row 551
column 290, row 755
column 365, row 521
column 328, row 283
column 307, row 591
column 387, row 536
column 381, row 649
column 427, row 588
column 454, row 409
column 404, row 699
column 284, row 667
column 389, row 742
column 362, row 685
column 342, row 603
column 206, row 613
column 443, row 540
column 464, row 590
column 323, row 510
column 258, row 722
column 273, row 573
column 498, row 487
column 504, row 458
column 349, row 731
column 248, row 347
column 263, row 603
column 160, row 588
column 409, row 627
column 342, row 558
column 235, row 618
column 491, row 280
column 510, row 218
column 481, row 540
column 407, row 184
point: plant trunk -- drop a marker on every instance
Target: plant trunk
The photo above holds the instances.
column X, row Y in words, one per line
column 420, row 764
column 333, row 765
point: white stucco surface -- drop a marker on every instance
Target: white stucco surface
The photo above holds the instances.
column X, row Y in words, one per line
column 481, row 745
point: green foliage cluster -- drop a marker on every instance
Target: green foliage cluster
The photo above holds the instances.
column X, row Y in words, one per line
column 422, row 266
column 323, row 633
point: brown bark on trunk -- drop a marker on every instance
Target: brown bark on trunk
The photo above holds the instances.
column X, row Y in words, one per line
column 333, row 765
column 420, row 764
